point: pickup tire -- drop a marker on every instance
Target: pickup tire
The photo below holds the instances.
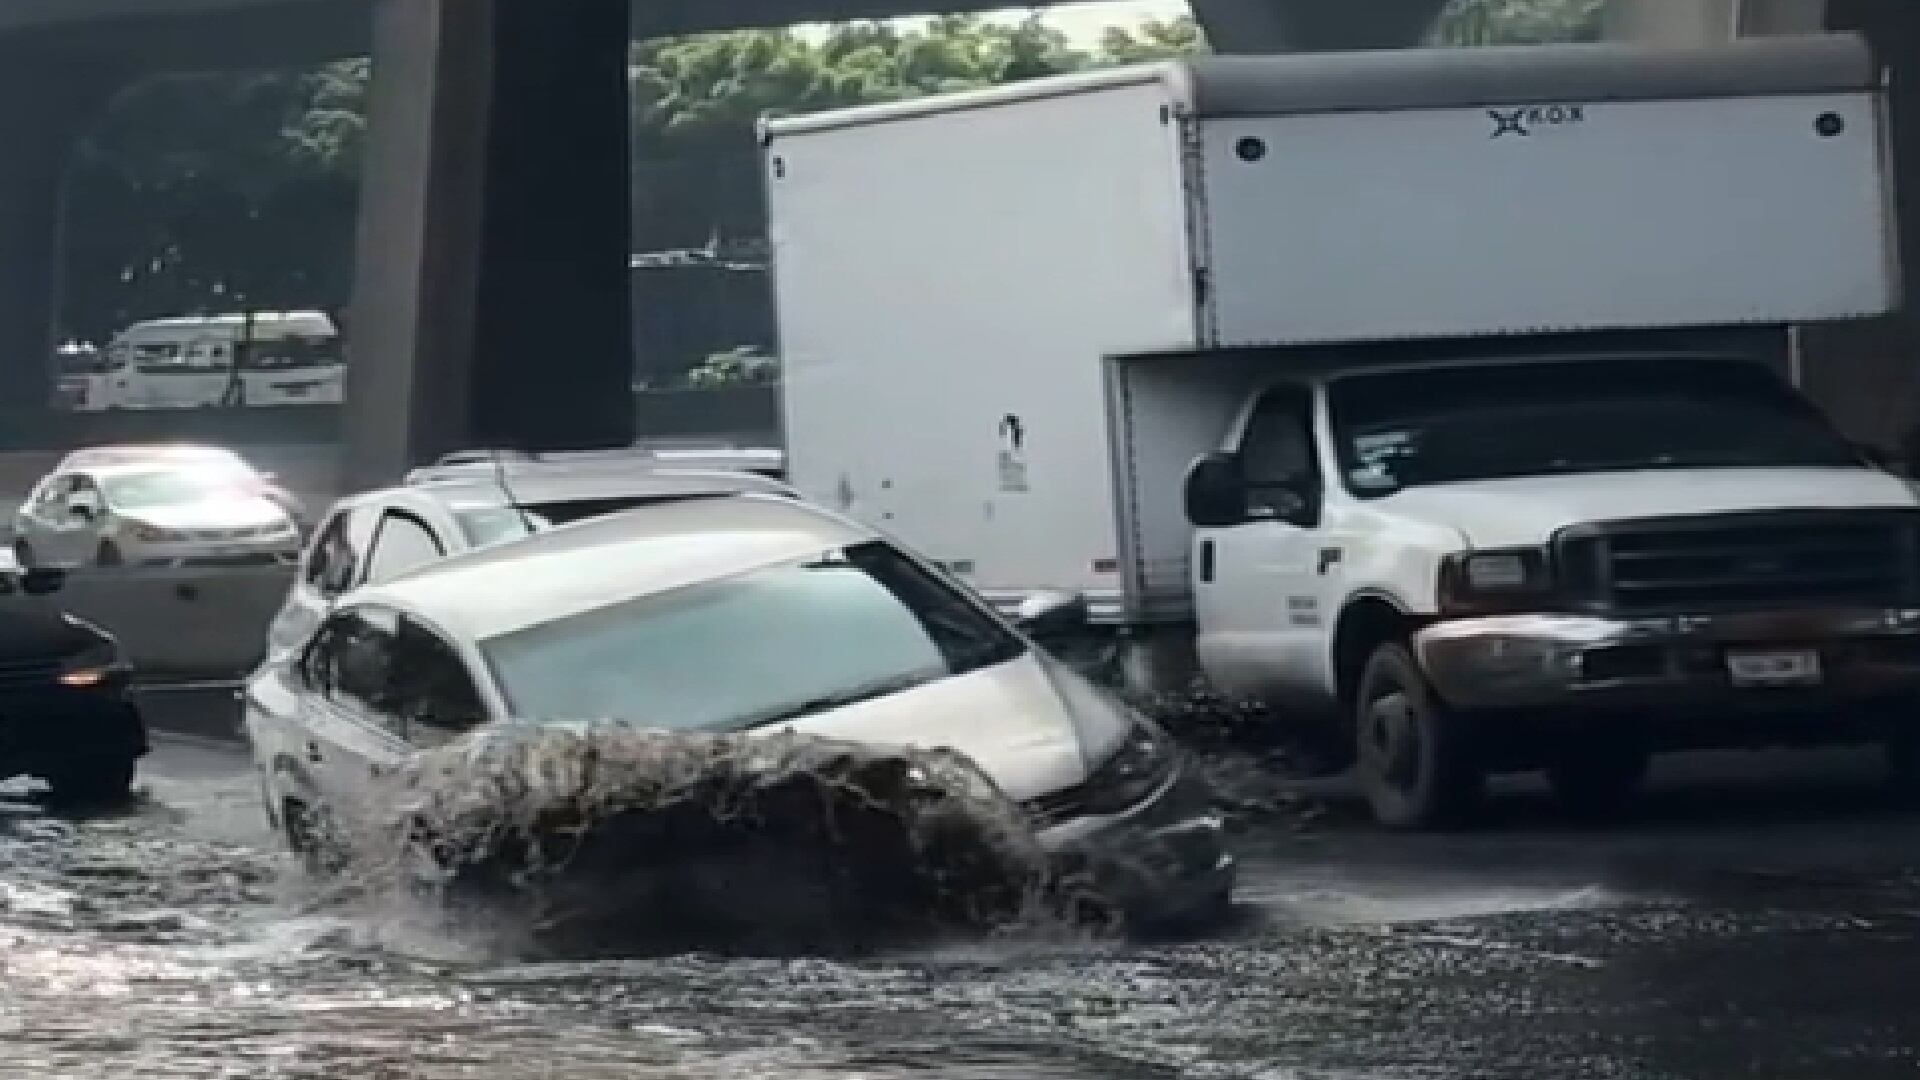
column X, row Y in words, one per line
column 1414, row 758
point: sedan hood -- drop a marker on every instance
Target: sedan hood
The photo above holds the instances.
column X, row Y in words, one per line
column 1010, row 719
column 239, row 512
column 1528, row 511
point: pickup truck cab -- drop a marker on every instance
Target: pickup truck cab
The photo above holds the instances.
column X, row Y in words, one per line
column 1566, row 561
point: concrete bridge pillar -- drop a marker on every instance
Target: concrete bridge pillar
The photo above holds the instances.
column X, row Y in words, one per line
column 491, row 298
column 47, row 99
column 1267, row 26
column 1704, row 22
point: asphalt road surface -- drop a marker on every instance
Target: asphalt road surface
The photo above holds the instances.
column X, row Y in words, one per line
column 1757, row 918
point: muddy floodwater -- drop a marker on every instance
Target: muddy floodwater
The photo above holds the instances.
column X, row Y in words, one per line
column 1759, row 927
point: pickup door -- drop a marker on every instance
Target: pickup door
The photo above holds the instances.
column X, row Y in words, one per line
column 1264, row 590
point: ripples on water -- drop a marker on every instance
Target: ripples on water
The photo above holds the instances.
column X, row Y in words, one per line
column 138, row 947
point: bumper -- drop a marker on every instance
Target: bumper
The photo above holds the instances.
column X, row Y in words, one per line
column 44, row 727
column 1162, row 860
column 281, row 551
column 1673, row 663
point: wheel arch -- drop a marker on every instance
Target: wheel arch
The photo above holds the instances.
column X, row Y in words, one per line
column 1369, row 619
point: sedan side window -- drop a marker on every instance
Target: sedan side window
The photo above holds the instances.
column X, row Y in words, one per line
column 432, row 689
column 351, row 661
column 52, row 502
column 402, row 543
column 332, row 562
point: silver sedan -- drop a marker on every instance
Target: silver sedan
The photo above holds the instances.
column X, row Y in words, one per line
column 151, row 515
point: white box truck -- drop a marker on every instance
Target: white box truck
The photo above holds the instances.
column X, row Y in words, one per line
column 1437, row 393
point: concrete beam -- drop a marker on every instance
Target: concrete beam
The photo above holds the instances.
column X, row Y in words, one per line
column 1268, row 26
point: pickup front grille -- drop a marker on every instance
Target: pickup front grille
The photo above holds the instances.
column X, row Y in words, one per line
column 1774, row 559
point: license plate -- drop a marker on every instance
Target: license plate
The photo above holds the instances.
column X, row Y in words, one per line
column 1791, row 667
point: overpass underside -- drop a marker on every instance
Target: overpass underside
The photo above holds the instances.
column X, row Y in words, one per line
column 492, row 299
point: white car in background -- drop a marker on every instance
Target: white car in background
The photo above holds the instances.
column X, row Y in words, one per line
column 375, row 537
column 216, row 459
column 728, row 615
column 697, row 454
column 151, row 514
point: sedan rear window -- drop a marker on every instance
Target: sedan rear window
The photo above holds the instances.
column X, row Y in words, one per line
column 766, row 646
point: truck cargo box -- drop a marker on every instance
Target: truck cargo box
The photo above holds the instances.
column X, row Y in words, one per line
column 1525, row 190
column 951, row 273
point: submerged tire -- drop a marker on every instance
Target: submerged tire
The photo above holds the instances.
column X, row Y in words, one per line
column 93, row 784
column 1413, row 757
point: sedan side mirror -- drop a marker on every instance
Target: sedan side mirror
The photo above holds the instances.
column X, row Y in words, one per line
column 1216, row 492
column 43, row 581
column 1050, row 616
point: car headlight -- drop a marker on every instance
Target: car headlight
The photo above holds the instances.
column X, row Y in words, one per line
column 1132, row 772
column 1496, row 582
column 92, row 666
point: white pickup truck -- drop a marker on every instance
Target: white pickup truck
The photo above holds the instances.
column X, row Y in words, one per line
column 1443, row 394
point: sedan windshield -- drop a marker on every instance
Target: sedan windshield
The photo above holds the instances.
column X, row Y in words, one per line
column 1446, row 425
column 756, row 649
column 171, row 487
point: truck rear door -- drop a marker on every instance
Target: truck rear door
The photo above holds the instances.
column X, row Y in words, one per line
column 1164, row 411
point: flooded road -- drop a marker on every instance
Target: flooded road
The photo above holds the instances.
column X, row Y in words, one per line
column 1761, row 929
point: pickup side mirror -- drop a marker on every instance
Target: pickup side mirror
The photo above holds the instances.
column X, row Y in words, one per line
column 1051, row 616
column 1216, row 492
column 43, row 581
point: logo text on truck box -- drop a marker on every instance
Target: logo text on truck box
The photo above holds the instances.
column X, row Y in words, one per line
column 1524, row 121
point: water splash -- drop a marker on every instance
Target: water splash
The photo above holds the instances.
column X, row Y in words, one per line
column 608, row 839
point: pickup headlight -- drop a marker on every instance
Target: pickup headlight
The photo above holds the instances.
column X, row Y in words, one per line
column 1132, row 772
column 1496, row 582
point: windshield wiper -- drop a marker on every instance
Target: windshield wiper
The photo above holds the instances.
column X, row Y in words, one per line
column 879, row 688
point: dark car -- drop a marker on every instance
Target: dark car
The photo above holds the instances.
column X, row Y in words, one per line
column 66, row 716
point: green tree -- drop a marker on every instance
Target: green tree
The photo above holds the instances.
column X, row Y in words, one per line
column 1153, row 40
column 1519, row 22
column 197, row 190
column 194, row 192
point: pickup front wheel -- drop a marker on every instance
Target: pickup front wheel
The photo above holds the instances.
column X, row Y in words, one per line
column 1414, row 758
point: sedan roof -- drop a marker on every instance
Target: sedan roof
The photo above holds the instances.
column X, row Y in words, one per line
column 537, row 487
column 150, row 454
column 603, row 561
